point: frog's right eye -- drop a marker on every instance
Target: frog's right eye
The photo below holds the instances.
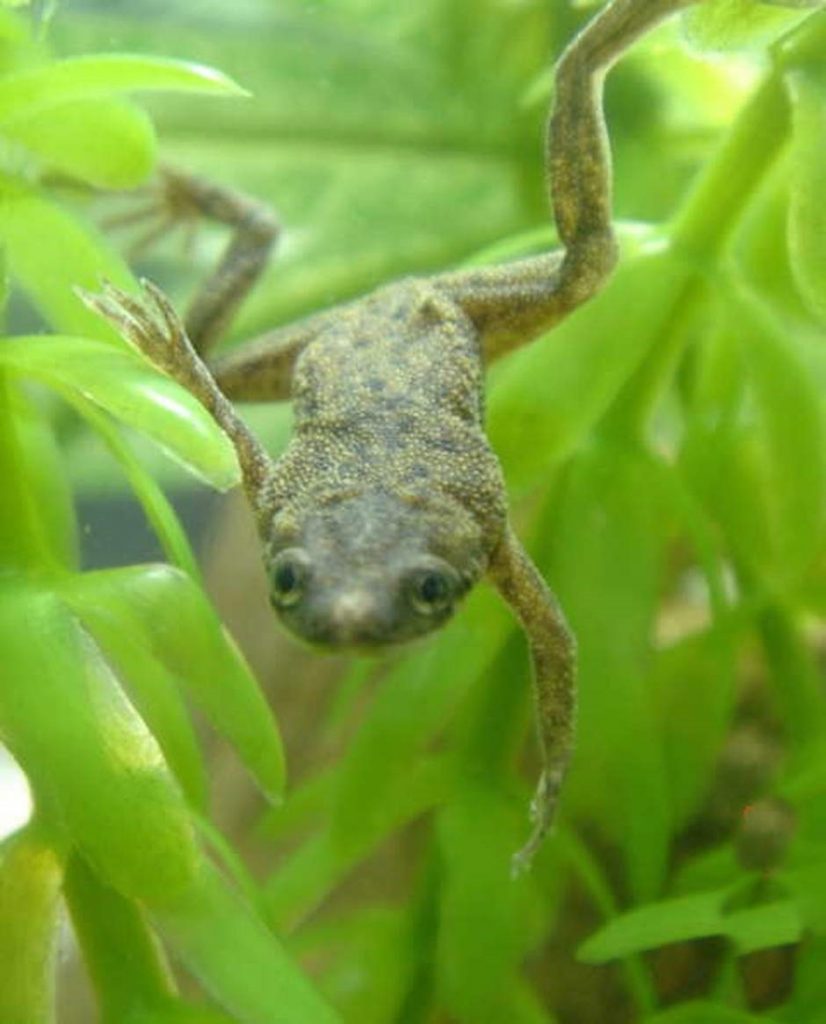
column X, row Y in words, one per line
column 288, row 576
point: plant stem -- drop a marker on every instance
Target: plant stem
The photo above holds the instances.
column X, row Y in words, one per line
column 711, row 212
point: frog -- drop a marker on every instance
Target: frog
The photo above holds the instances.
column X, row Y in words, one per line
column 388, row 505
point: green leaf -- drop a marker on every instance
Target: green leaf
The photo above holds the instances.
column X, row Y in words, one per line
column 371, row 958
column 555, row 390
column 156, row 505
column 108, row 143
column 49, row 253
column 606, row 532
column 764, row 926
column 482, row 941
column 87, row 753
column 807, row 215
column 236, row 958
column 153, row 691
column 31, row 875
column 695, row 681
column 703, row 1012
column 168, row 614
column 416, row 700
column 739, row 24
column 656, row 924
column 26, row 93
column 308, row 875
column 793, row 428
column 124, row 384
column 124, row 961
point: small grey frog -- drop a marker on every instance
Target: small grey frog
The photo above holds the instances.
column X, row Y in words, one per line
column 388, row 504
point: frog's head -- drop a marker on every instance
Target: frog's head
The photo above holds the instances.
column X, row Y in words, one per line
column 372, row 569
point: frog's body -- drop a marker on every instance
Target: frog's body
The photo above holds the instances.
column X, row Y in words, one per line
column 389, row 472
column 388, row 504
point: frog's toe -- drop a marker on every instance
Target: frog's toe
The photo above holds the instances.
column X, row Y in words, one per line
column 148, row 322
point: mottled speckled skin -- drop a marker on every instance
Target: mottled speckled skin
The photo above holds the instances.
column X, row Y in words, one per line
column 389, row 483
column 389, row 471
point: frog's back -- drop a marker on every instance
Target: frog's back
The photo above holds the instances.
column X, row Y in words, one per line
column 404, row 353
column 389, row 399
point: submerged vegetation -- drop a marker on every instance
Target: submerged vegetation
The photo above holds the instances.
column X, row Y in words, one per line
column 665, row 454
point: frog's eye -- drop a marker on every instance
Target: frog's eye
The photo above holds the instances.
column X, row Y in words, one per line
column 288, row 577
column 432, row 589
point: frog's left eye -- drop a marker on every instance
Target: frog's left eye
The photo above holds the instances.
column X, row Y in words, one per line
column 432, row 589
column 288, row 577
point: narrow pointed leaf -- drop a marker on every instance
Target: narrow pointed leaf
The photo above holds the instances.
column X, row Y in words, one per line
column 125, row 385
column 86, row 751
column 28, row 92
column 108, row 143
column 807, row 214
column 31, row 874
column 656, row 924
column 49, row 253
column 125, row 963
column 175, row 622
column 236, row 958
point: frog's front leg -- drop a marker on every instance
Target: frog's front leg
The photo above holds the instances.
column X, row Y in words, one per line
column 151, row 324
column 553, row 653
column 512, row 304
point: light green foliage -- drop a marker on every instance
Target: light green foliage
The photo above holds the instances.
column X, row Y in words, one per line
column 666, row 454
column 94, row 664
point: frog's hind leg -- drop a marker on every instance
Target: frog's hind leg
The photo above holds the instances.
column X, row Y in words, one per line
column 512, row 304
column 255, row 231
column 178, row 198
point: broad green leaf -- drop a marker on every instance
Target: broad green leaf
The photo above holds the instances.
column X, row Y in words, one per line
column 309, row 875
column 153, row 691
column 482, row 941
column 239, row 962
column 606, row 531
column 656, row 924
column 702, row 1012
column 548, row 395
column 125, row 964
column 695, row 682
column 414, row 702
column 740, row 24
column 124, row 384
column 807, row 216
column 26, row 93
column 31, row 874
column 807, row 1002
column 764, row 926
column 168, row 614
column 371, row 959
column 49, row 253
column 793, row 428
column 107, row 143
column 87, row 753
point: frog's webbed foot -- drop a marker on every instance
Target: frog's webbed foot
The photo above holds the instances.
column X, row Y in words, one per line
column 553, row 653
column 151, row 325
